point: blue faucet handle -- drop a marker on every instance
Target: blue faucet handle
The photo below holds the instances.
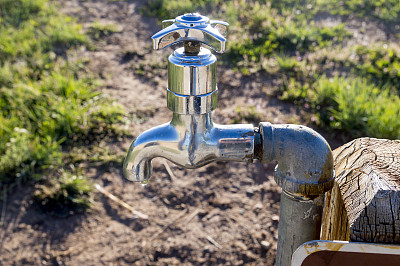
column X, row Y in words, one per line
column 192, row 27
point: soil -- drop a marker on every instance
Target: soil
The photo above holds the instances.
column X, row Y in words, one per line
column 223, row 213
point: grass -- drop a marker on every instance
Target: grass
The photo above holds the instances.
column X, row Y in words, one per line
column 47, row 103
column 65, row 195
column 387, row 11
column 351, row 105
column 348, row 89
column 98, row 30
column 247, row 114
column 379, row 62
column 260, row 31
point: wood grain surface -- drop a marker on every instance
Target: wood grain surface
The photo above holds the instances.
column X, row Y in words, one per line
column 364, row 204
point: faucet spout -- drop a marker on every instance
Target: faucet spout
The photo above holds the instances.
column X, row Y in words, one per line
column 151, row 143
column 190, row 141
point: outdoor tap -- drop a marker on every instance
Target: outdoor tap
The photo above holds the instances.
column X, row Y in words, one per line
column 190, row 139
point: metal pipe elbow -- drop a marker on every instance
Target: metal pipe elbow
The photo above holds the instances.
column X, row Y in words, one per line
column 305, row 161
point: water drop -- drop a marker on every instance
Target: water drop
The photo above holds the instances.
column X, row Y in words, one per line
column 144, row 182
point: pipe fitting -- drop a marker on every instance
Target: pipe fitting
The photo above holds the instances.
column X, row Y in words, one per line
column 305, row 173
column 305, row 161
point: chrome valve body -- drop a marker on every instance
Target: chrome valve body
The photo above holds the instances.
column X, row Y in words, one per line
column 191, row 139
column 192, row 86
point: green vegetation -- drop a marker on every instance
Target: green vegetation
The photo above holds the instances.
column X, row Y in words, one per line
column 354, row 106
column 345, row 86
column 162, row 9
column 98, row 30
column 65, row 195
column 379, row 62
column 47, row 104
column 387, row 11
column 247, row 114
column 260, row 31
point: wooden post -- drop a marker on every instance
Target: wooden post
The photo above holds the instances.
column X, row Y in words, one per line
column 364, row 204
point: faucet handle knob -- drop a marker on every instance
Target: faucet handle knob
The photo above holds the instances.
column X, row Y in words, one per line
column 192, row 27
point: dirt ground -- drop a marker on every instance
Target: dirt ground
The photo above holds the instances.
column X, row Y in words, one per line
column 223, row 213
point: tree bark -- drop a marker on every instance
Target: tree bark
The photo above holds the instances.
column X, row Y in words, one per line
column 364, row 204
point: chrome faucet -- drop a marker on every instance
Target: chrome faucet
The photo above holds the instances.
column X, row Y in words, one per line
column 192, row 140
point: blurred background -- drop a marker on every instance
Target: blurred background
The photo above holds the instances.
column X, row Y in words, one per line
column 79, row 80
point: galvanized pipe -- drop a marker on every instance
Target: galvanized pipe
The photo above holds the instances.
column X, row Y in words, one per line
column 300, row 220
column 305, row 173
